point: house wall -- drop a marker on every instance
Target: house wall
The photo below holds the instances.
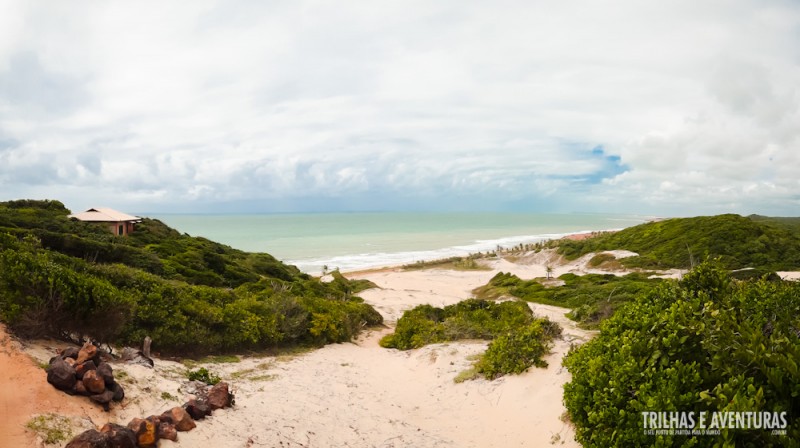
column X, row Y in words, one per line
column 114, row 227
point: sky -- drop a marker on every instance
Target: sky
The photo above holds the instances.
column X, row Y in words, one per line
column 673, row 107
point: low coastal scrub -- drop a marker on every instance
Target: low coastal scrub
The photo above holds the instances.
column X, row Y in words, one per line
column 592, row 297
column 73, row 280
column 707, row 344
column 517, row 350
column 736, row 241
column 468, row 319
column 519, row 339
column 468, row 263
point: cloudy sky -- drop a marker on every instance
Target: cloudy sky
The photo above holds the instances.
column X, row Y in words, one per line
column 661, row 107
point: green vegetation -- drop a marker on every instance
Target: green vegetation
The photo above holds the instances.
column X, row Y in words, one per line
column 202, row 374
column 738, row 242
column 52, row 428
column 468, row 319
column 468, row 263
column 592, row 297
column 515, row 351
column 211, row 359
column 71, row 279
column 520, row 339
column 704, row 344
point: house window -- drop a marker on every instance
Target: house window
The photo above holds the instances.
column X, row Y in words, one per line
column 121, row 229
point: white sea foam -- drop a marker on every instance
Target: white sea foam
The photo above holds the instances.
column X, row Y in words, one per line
column 382, row 259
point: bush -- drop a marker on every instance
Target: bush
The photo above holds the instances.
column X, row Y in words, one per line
column 593, row 297
column 202, row 374
column 705, row 344
column 468, row 319
column 519, row 340
column 516, row 351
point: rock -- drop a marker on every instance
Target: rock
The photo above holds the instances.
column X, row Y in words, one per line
column 105, row 371
column 219, row 396
column 119, row 394
column 61, row 375
column 197, row 409
column 103, row 398
column 93, row 382
column 80, row 389
column 144, row 430
column 70, row 352
column 87, row 352
column 133, row 356
column 119, row 436
column 70, row 361
column 167, row 431
column 82, row 368
column 180, row 418
column 197, row 388
column 90, row 439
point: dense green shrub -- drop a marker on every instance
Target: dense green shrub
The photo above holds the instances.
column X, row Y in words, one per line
column 738, row 242
column 42, row 293
column 468, row 319
column 515, row 351
column 592, row 297
column 705, row 344
column 85, row 282
column 519, row 339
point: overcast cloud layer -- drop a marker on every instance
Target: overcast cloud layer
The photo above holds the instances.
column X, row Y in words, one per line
column 677, row 107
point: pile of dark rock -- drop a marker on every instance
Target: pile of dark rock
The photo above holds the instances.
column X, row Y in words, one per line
column 146, row 432
column 83, row 372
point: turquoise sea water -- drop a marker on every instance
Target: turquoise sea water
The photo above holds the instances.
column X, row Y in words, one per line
column 352, row 241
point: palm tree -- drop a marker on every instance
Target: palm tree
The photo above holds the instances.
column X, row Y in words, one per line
column 549, row 271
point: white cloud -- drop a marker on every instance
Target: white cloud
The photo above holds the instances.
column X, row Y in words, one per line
column 694, row 106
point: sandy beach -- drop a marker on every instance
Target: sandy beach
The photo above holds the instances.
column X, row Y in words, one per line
column 346, row 395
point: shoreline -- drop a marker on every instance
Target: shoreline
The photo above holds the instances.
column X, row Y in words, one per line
column 576, row 236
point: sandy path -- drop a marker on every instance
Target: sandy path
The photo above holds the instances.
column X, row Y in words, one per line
column 360, row 395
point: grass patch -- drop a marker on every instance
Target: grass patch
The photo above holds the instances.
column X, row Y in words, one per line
column 246, row 372
column 292, row 353
column 52, row 428
column 213, row 359
column 467, row 375
column 120, row 374
column 168, row 396
column 268, row 377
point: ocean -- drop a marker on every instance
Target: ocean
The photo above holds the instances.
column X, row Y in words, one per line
column 353, row 241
